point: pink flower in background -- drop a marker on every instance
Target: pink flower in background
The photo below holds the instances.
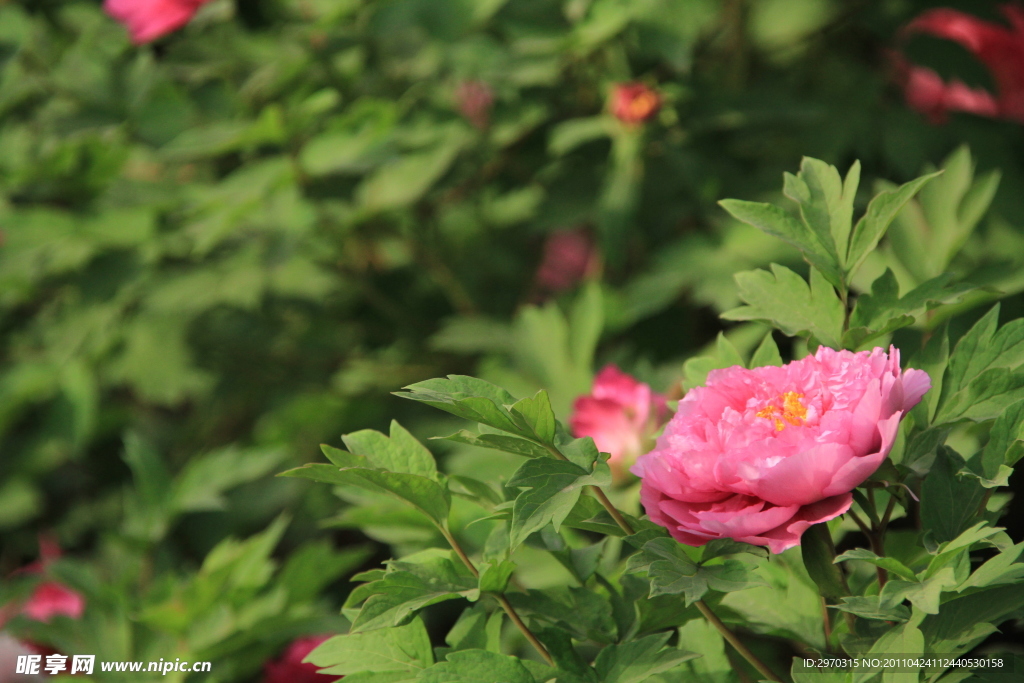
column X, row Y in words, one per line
column 569, row 256
column 289, row 668
column 147, row 20
column 760, row 455
column 634, row 103
column 474, row 100
column 51, row 599
column 999, row 47
column 621, row 414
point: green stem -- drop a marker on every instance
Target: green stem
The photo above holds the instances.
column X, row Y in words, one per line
column 502, row 600
column 701, row 605
column 713, row 619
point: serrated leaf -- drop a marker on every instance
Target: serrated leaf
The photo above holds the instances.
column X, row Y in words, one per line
column 474, row 489
column 725, row 355
column 1001, row 569
column 494, row 576
column 949, row 503
column 340, row 458
column 776, row 222
column 1004, row 448
column 403, row 651
column 976, row 385
column 400, row 452
column 636, row 661
column 499, row 442
column 785, row 300
column 825, row 206
column 468, row 397
column 884, row 311
column 426, row 495
column 890, row 564
column 924, row 595
column 672, row 571
column 552, row 489
column 869, row 607
column 477, row 666
column 535, row 417
column 876, row 220
column 406, row 588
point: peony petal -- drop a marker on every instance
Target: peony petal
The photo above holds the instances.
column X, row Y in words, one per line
column 857, row 470
column 801, row 479
column 916, row 384
column 788, row 535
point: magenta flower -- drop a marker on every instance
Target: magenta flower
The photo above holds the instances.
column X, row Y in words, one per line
column 289, row 668
column 621, row 414
column 147, row 20
column 569, row 256
column 760, row 455
column 999, row 47
column 634, row 103
column 474, row 100
column 51, row 599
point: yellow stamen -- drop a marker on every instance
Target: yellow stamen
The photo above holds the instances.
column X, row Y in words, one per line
column 792, row 411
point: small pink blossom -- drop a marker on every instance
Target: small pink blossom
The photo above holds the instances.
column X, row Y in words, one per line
column 51, row 599
column 474, row 100
column 999, row 47
column 289, row 667
column 621, row 414
column 634, row 103
column 760, row 455
column 568, row 257
column 148, row 20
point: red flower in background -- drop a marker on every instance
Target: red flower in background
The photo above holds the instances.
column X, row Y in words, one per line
column 634, row 103
column 474, row 100
column 622, row 415
column 999, row 47
column 289, row 668
column 147, row 20
column 569, row 256
column 51, row 599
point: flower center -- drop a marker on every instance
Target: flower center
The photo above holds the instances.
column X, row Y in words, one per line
column 643, row 105
column 790, row 411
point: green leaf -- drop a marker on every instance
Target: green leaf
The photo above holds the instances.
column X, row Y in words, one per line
column 552, row 488
column 884, row 311
column 826, row 206
column 818, row 553
column 586, row 321
column 870, row 607
column 1004, row 448
column 671, row 571
column 499, row 442
column 637, row 660
column 767, row 353
column 402, row 651
column 399, row 453
column 468, row 397
column 875, row 221
column 890, row 564
column 725, row 356
column 949, row 503
column 477, row 630
column 316, row 564
column 924, row 595
column 494, row 576
column 1001, row 569
column 776, row 222
column 784, row 299
column 904, row 639
column 976, row 384
column 535, row 417
column 590, row 515
column 477, row 666
column 406, row 179
column 568, row 135
column 426, row 495
column 406, row 588
column 205, row 478
column 474, row 489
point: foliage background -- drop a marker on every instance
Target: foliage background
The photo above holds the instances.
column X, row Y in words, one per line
column 219, row 251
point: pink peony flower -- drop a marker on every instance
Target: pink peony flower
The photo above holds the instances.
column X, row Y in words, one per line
column 1001, row 49
column 760, row 455
column 289, row 668
column 634, row 103
column 569, row 256
column 147, row 20
column 621, row 415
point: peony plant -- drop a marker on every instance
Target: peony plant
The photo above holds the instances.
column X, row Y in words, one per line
column 831, row 518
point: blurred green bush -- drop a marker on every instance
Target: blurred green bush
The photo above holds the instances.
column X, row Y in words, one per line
column 222, row 249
